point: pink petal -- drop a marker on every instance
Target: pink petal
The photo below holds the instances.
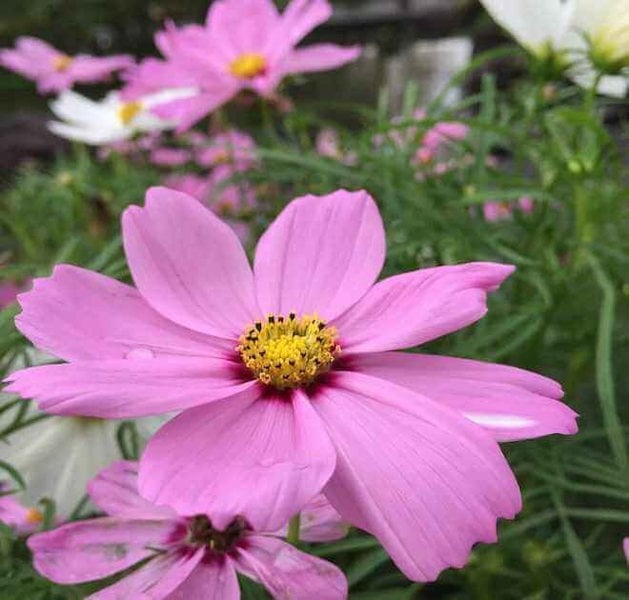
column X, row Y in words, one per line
column 425, row 481
column 120, row 389
column 320, row 57
column 89, row 69
column 262, row 459
column 156, row 580
column 320, row 255
column 115, row 491
column 288, row 573
column 81, row 315
column 188, row 111
column 245, row 25
column 417, row 307
column 319, row 522
column 88, row 550
column 511, row 404
column 625, row 546
column 302, row 16
column 189, row 265
column 211, row 580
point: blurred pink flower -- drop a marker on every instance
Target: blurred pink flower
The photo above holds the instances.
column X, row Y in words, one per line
column 288, row 377
column 194, row 185
column 328, row 144
column 55, row 71
column 625, row 545
column 170, row 157
column 232, row 147
column 187, row 557
column 500, row 211
column 21, row 519
column 244, row 45
column 8, row 293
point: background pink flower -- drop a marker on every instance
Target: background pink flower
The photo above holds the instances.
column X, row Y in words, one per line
column 500, row 211
column 244, row 45
column 187, row 556
column 55, row 71
column 278, row 404
column 23, row 520
column 233, row 148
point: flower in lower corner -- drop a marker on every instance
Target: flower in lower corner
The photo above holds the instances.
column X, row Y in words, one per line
column 181, row 556
column 22, row 519
column 245, row 45
column 289, row 375
column 109, row 120
column 55, row 71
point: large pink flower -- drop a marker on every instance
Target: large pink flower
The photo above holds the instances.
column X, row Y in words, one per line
column 188, row 557
column 288, row 375
column 244, row 45
column 55, row 71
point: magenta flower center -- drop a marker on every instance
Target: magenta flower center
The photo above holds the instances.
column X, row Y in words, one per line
column 288, row 352
column 201, row 533
column 248, row 66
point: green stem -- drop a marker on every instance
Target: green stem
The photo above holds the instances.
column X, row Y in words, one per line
column 294, row 525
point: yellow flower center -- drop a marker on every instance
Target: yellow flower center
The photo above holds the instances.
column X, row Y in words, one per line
column 127, row 111
column 288, row 352
column 33, row 516
column 248, row 66
column 61, row 62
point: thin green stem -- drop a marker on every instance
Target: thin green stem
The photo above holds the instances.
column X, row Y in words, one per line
column 294, row 526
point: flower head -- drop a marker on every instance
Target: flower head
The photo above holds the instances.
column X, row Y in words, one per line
column 288, row 375
column 109, row 121
column 55, row 71
column 184, row 556
column 22, row 519
column 244, row 45
column 501, row 211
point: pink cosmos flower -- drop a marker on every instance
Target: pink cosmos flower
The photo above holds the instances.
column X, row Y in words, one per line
column 500, row 211
column 188, row 557
column 328, row 144
column 288, row 375
column 232, row 147
column 21, row 519
column 170, row 157
column 55, row 71
column 194, row 185
column 244, row 45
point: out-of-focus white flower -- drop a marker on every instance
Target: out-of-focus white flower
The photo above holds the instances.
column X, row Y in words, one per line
column 586, row 36
column 111, row 119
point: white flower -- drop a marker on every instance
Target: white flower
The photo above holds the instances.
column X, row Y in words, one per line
column 573, row 30
column 111, row 119
column 57, row 456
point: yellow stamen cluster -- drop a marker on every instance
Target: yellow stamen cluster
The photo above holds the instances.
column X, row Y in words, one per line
column 33, row 516
column 288, row 352
column 248, row 66
column 128, row 111
column 61, row 62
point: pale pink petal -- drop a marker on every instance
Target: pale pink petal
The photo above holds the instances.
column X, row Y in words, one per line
column 115, row 491
column 288, row 573
column 320, row 255
column 417, row 307
column 319, row 522
column 625, row 546
column 213, row 579
column 127, row 388
column 245, row 24
column 77, row 314
column 301, row 17
column 262, row 459
column 188, row 111
column 189, row 265
column 153, row 75
column 511, row 404
column 88, row 550
column 88, row 69
column 424, row 480
column 320, row 57
column 155, row 580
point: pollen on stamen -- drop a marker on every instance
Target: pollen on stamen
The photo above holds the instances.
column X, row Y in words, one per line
column 248, row 66
column 61, row 62
column 127, row 111
column 289, row 352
